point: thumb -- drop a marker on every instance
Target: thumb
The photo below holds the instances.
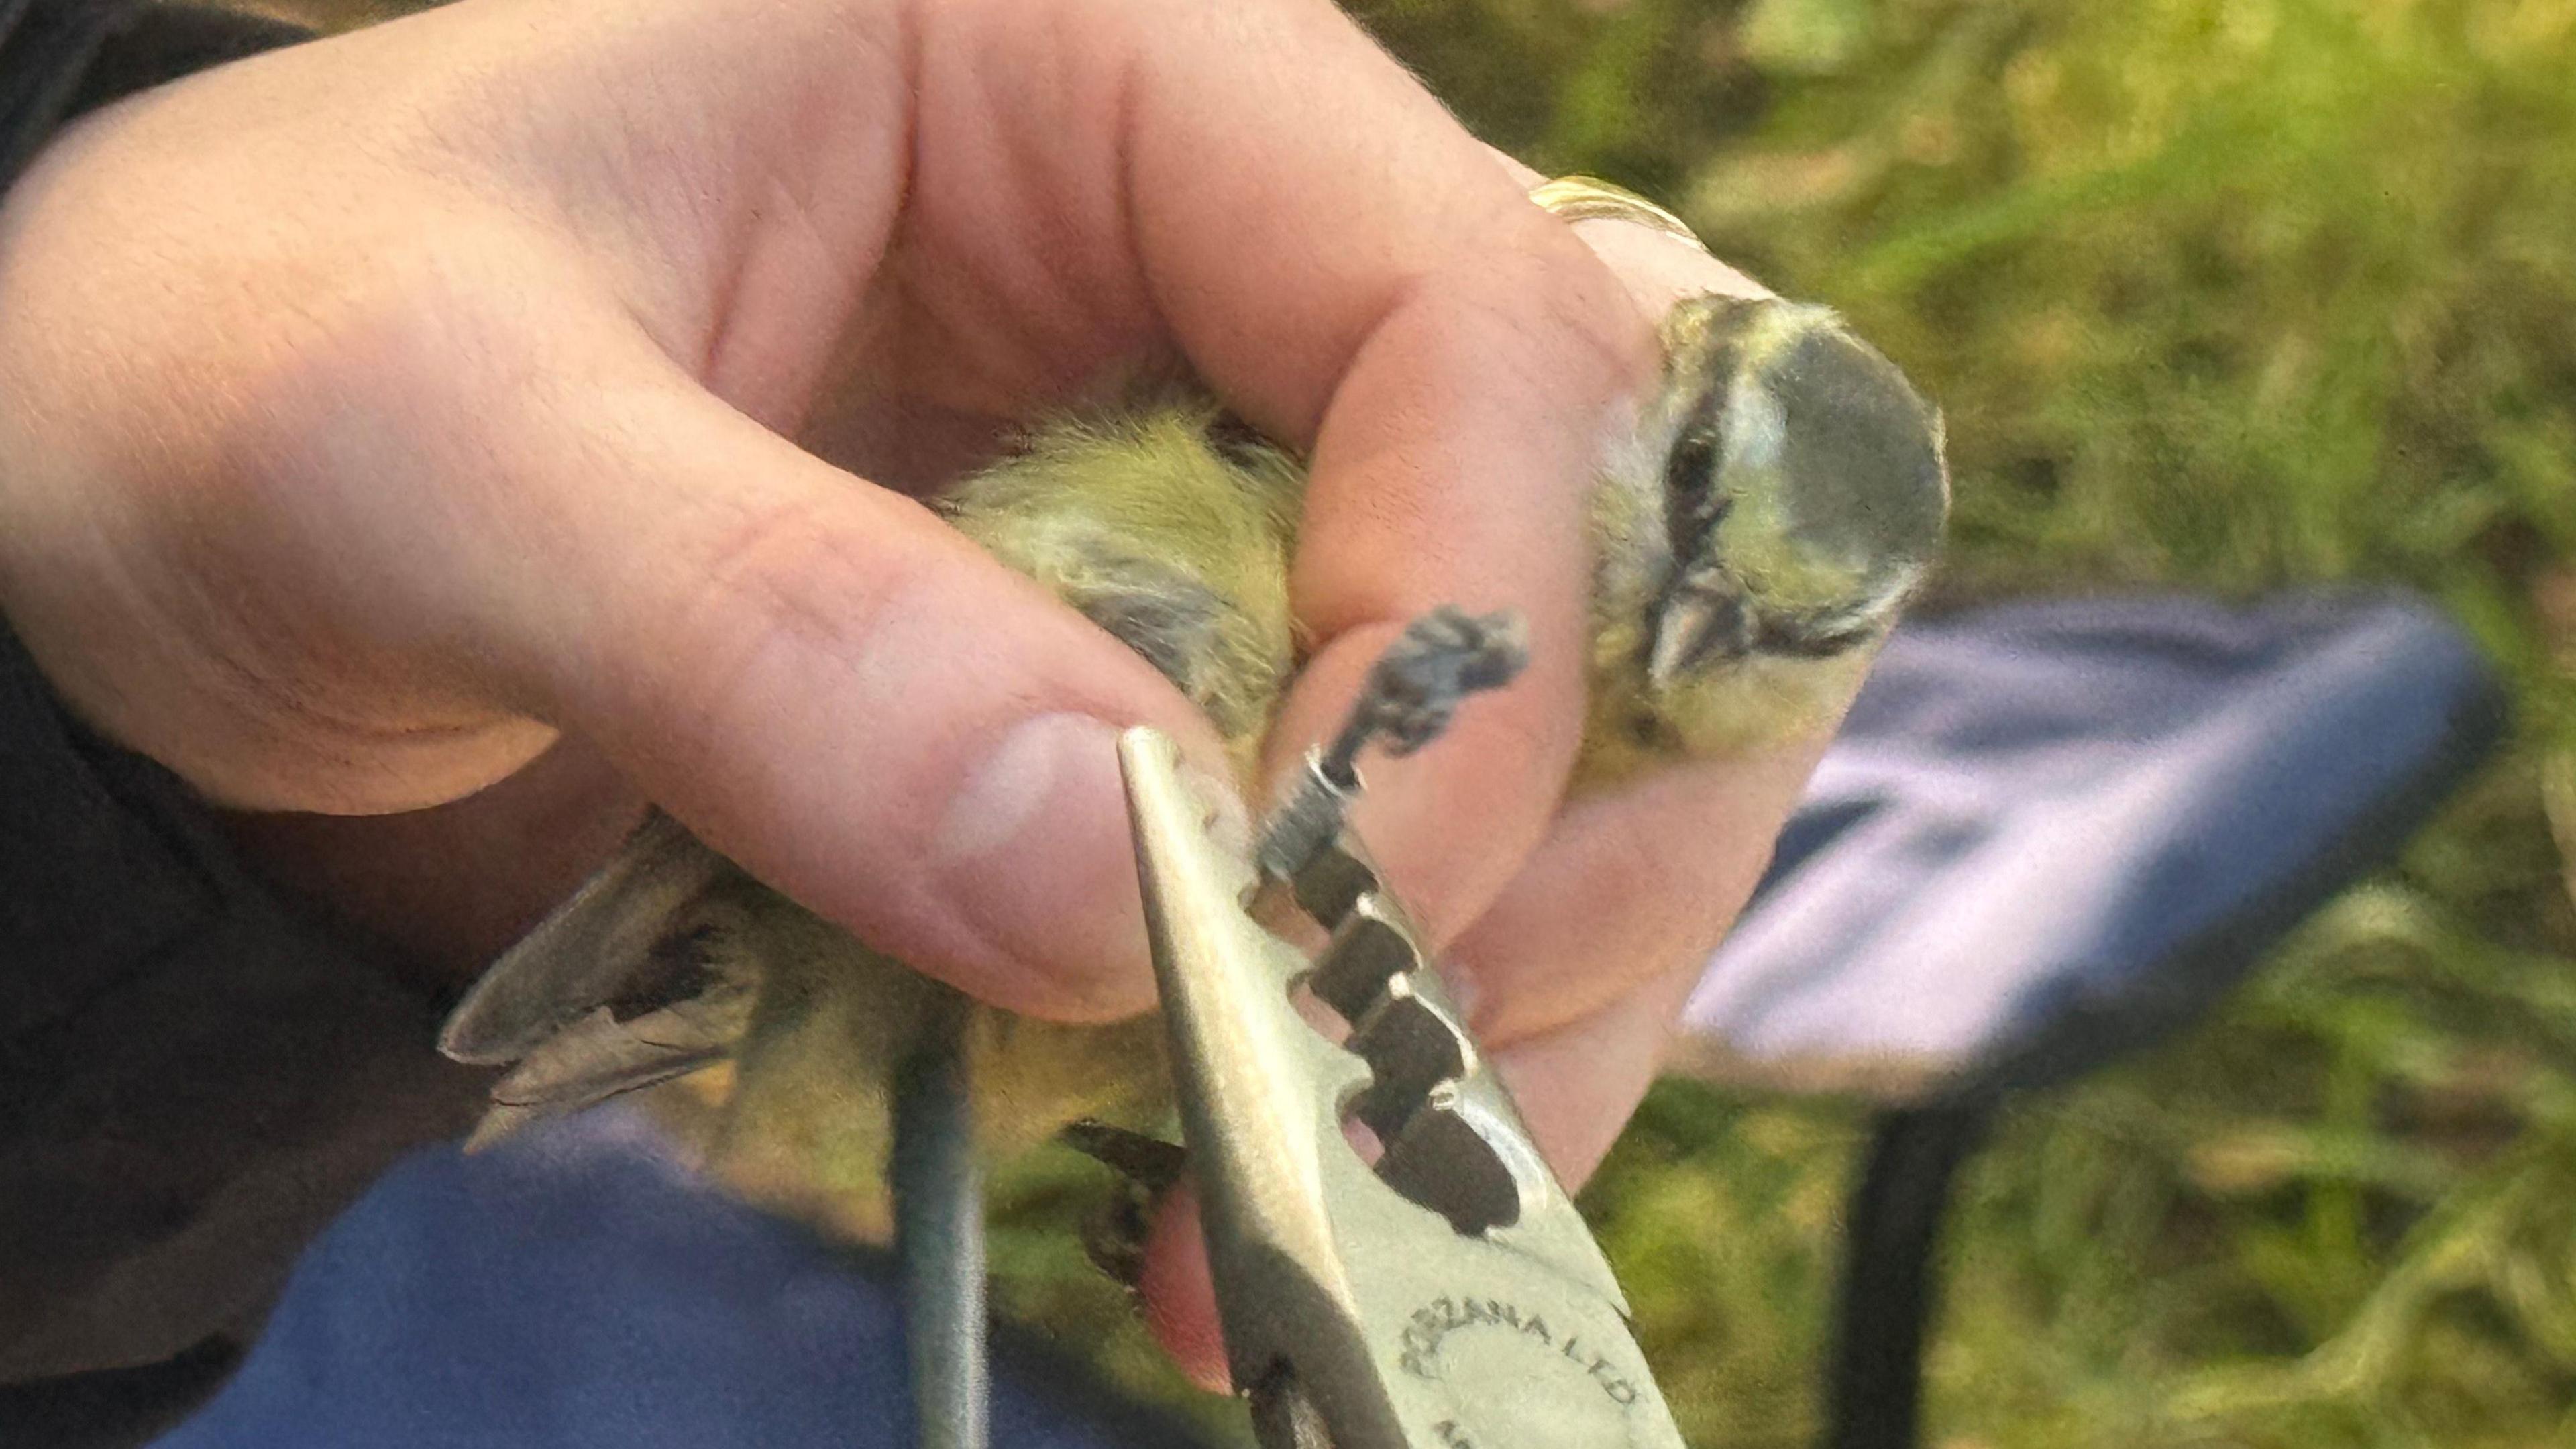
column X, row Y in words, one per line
column 830, row 685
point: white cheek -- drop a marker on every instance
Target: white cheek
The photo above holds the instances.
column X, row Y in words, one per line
column 1757, row 429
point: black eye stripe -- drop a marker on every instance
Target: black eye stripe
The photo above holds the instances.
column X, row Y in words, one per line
column 1692, row 505
column 1693, row 461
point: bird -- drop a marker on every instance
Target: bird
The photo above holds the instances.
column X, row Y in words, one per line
column 1755, row 533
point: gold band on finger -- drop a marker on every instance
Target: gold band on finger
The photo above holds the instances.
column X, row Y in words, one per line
column 1587, row 198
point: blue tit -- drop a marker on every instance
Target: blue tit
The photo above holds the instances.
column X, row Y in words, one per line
column 1755, row 535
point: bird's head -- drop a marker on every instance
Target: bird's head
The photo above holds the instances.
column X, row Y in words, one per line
column 1803, row 487
column 1786, row 495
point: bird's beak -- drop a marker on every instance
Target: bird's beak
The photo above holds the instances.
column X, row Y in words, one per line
column 1692, row 627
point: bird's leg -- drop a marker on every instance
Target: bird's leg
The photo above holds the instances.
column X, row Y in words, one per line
column 1409, row 698
column 1411, row 694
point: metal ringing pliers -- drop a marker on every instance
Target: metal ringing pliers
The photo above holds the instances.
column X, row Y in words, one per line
column 1446, row 1296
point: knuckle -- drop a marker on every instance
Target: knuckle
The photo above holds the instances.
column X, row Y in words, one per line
column 777, row 586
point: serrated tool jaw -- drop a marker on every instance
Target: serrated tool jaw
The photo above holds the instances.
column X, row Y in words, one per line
column 1446, row 1295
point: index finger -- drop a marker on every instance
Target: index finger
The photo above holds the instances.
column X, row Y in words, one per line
column 1360, row 280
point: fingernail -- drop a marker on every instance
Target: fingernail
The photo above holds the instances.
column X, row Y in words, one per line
column 1035, row 853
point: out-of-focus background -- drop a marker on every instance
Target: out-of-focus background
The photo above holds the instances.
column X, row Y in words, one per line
column 2221, row 294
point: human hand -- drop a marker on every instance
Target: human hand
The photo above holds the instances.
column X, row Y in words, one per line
column 382, row 410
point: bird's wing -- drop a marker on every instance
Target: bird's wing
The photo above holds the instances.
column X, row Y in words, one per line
column 600, row 1056
column 610, row 943
column 638, row 979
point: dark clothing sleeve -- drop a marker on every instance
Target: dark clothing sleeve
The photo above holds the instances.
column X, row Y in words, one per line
column 195, row 1074
column 59, row 58
column 46, row 47
column 194, row 1077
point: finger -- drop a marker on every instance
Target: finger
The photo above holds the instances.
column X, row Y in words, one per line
column 1656, row 267
column 1656, row 872
column 1179, row 1294
column 816, row 675
column 1578, row 1083
column 1359, row 279
column 1630, row 881
column 883, row 722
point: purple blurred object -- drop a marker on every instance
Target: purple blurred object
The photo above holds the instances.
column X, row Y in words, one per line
column 2053, row 830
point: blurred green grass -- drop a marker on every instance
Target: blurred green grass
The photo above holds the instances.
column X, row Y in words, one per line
column 2220, row 294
